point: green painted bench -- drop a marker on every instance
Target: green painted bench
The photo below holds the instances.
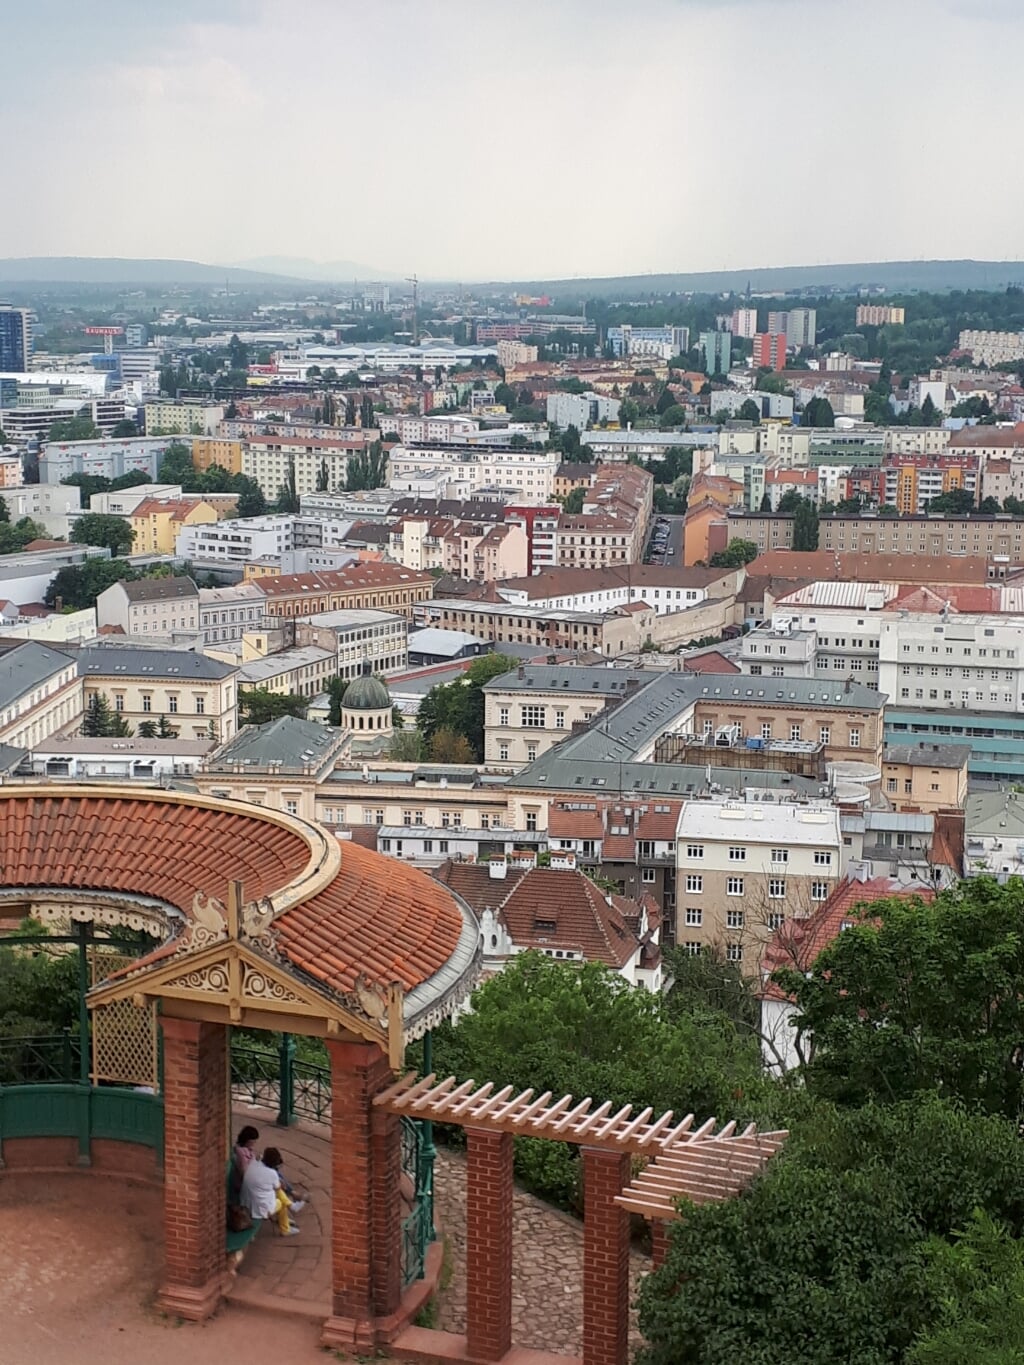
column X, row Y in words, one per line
column 238, row 1241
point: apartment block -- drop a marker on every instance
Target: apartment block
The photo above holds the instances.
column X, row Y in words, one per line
column 769, row 351
column 150, row 606
column 182, row 417
column 40, row 692
column 377, row 638
column 195, row 693
column 879, row 315
column 744, row 867
column 381, row 586
column 992, row 348
column 208, row 451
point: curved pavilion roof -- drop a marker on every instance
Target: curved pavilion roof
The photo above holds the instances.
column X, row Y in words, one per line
column 340, row 919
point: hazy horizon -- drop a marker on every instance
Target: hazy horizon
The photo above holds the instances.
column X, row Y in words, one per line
column 574, row 139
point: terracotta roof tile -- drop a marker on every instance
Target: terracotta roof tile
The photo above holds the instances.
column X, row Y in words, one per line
column 550, row 910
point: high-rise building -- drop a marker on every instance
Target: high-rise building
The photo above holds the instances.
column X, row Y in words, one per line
column 769, row 351
column 744, row 322
column 879, row 315
column 716, row 352
column 15, row 338
column 801, row 327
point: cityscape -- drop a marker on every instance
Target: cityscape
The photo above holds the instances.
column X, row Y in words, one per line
column 548, row 752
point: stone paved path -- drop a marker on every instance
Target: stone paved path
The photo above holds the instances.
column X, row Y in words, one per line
column 547, row 1266
column 293, row 1275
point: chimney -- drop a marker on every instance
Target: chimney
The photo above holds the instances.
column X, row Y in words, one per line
column 497, row 867
column 520, row 672
column 563, row 861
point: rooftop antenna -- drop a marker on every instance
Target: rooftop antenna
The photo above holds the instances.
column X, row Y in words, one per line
column 415, row 282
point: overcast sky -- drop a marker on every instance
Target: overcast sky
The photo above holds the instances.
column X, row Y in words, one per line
column 464, row 139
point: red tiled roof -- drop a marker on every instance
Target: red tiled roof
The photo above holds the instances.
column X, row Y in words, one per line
column 574, row 824
column 474, row 883
column 377, row 916
column 799, row 942
column 583, row 920
column 710, row 663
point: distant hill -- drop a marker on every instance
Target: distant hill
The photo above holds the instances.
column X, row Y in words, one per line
column 325, row 272
column 894, row 276
column 124, row 270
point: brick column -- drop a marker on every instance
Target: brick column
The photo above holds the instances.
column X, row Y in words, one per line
column 366, row 1197
column 659, row 1242
column 195, row 1122
column 605, row 1258
column 488, row 1244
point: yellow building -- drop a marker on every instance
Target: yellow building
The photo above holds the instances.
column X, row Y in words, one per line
column 210, row 450
column 157, row 524
column 926, row 777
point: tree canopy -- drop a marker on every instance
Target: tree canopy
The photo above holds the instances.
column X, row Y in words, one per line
column 101, row 528
column 257, row 705
column 459, row 706
column 735, row 554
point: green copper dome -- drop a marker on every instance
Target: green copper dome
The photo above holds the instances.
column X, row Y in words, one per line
column 366, row 694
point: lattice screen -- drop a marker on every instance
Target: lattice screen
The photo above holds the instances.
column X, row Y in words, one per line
column 125, row 1044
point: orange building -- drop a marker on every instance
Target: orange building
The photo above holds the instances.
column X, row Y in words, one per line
column 210, row 450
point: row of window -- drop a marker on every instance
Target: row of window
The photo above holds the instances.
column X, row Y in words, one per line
column 199, row 703
column 736, row 886
column 738, row 854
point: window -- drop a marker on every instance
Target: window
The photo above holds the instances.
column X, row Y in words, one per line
column 819, row 891
column 485, row 820
column 200, row 706
column 172, row 703
column 822, row 857
column 891, row 784
column 532, row 717
column 531, row 820
column 502, row 715
column 734, row 886
column 118, row 701
column 531, row 752
column 777, row 888
column 734, row 919
column 694, row 883
column 737, row 854
column 147, row 702
column 766, row 729
column 649, row 874
column 794, row 730
column 428, row 845
column 695, row 850
column 775, row 919
column 780, row 855
column 559, row 720
column 692, row 949
column 824, row 734
column 694, row 915
column 442, row 845
column 854, row 738
column 734, row 952
column 291, row 807
column 503, row 753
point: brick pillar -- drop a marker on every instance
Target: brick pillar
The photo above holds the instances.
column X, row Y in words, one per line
column 195, row 1124
column 659, row 1242
column 366, row 1197
column 488, row 1244
column 605, row 1258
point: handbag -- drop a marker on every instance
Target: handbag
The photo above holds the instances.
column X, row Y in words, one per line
column 239, row 1218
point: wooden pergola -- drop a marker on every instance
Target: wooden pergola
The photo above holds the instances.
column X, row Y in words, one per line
column 677, row 1159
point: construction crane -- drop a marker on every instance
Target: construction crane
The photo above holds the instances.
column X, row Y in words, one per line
column 415, row 282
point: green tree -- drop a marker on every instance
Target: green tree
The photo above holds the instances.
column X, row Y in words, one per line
column 447, row 746
column 406, row 747
column 87, row 484
column 805, row 526
column 922, row 997
column 674, row 416
column 100, row 721
column 735, row 554
column 749, row 411
column 629, row 412
column 147, row 729
column 574, row 500
column 101, row 528
column 818, row 413
column 459, row 705
column 977, row 1282
column 165, row 730
column 124, row 429
column 23, row 532
column 176, row 466
column 840, row 1220
column 257, row 705
column 323, row 477
column 76, row 587
column 80, row 428
column 336, row 690
column 769, row 382
column 350, row 411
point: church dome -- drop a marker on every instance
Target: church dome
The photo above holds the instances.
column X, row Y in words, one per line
column 366, row 693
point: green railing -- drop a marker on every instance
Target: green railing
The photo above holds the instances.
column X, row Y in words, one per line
column 83, row 1112
column 53, row 1057
column 276, row 1079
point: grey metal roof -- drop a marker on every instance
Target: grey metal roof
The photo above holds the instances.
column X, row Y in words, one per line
column 291, row 742
column 159, row 589
column 928, row 755
column 430, row 640
column 569, row 678
column 175, row 664
column 596, row 776
column 25, row 667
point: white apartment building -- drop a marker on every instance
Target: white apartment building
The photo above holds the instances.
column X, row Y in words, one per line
column 744, row 323
column 530, row 474
column 581, row 410
column 916, row 440
column 182, row 417
column 992, row 348
column 150, row 606
column 358, row 636
column 513, row 353
column 226, row 614
column 446, row 428
column 244, row 539
column 963, row 662
column 743, row 867
column 109, row 458
column 53, row 505
column 663, row 597
column 270, row 461
column 40, row 693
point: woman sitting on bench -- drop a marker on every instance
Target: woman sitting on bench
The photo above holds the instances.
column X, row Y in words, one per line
column 263, row 1192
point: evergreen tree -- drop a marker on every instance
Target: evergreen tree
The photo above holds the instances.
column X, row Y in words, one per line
column 100, row 721
column 350, row 411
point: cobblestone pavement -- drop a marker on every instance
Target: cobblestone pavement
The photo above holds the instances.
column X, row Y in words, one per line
column 547, row 1266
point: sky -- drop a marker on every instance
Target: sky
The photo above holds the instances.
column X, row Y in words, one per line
column 466, row 140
